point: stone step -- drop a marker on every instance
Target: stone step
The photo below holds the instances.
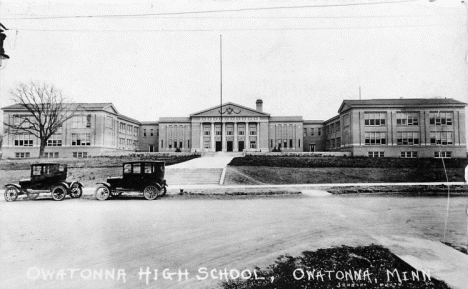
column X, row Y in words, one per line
column 198, row 176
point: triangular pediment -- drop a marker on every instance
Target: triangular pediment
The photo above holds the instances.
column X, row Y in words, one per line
column 229, row 110
column 344, row 106
column 111, row 109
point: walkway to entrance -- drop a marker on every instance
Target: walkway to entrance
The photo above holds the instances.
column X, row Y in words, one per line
column 206, row 170
column 209, row 160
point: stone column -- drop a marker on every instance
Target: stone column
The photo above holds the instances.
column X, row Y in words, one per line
column 247, row 136
column 201, row 136
column 213, row 147
column 258, row 135
column 223, row 138
column 235, row 144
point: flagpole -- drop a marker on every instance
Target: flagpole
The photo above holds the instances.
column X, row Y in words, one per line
column 221, row 86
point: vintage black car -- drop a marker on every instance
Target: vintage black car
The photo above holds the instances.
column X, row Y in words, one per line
column 141, row 176
column 45, row 177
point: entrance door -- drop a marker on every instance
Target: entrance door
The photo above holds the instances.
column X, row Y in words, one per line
column 241, row 146
column 229, row 146
column 151, row 148
column 312, row 147
column 219, row 146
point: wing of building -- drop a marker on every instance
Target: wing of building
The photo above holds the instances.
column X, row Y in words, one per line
column 407, row 128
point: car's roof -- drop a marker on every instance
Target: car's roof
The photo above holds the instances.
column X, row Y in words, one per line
column 137, row 162
column 41, row 164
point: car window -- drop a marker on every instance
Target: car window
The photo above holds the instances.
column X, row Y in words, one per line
column 137, row 168
column 37, row 170
column 127, row 169
column 51, row 169
column 148, row 169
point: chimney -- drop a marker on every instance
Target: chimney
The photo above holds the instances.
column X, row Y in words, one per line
column 259, row 104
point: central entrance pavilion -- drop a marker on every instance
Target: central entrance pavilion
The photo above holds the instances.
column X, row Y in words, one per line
column 229, row 128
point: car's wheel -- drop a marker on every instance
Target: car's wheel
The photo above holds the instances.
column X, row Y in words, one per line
column 58, row 192
column 151, row 192
column 164, row 191
column 11, row 193
column 33, row 196
column 76, row 191
column 102, row 193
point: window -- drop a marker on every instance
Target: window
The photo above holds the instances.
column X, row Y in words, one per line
column 252, row 130
column 175, row 144
column 290, row 143
column 218, row 132
column 312, row 131
column 127, row 169
column 162, row 143
column 285, row 143
column 374, row 119
column 230, row 132
column 151, row 132
column 51, row 155
column 81, row 139
column 375, row 138
column 409, row 154
column 55, row 140
column 135, row 131
column 80, row 154
column 271, row 142
column 441, row 137
column 122, row 127
column 180, row 143
column 299, row 143
column 319, row 131
column 338, row 142
column 253, row 145
column 408, row 138
column 22, row 155
column 207, row 144
column 442, row 154
column 188, row 143
column 407, row 118
column 305, row 132
column 24, row 140
column 144, row 132
column 241, row 132
column 375, row 154
column 137, row 168
column 440, row 118
column 81, row 121
column 206, row 130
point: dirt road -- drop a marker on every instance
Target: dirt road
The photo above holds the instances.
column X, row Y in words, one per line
column 195, row 233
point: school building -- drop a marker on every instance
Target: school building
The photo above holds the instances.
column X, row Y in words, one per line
column 407, row 128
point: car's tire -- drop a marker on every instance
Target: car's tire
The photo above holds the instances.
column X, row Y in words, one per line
column 102, row 193
column 76, row 191
column 151, row 192
column 11, row 193
column 58, row 192
column 163, row 191
column 32, row 196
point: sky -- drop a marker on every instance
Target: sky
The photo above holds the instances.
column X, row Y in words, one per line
column 300, row 61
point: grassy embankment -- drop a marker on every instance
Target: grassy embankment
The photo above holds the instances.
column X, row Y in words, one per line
column 318, row 170
column 88, row 171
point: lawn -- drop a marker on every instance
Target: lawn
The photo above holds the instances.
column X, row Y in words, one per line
column 252, row 175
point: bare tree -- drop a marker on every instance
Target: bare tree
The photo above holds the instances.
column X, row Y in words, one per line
column 47, row 109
